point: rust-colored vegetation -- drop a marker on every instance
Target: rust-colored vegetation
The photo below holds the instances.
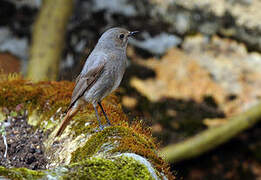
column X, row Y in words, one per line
column 141, row 142
column 48, row 96
column 45, row 97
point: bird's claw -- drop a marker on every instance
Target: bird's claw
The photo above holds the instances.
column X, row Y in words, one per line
column 101, row 127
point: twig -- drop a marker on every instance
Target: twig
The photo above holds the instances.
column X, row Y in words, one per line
column 4, row 138
column 3, row 133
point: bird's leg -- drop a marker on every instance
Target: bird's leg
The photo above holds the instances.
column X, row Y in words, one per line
column 97, row 115
column 108, row 121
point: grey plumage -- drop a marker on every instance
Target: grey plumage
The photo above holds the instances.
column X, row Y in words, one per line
column 101, row 74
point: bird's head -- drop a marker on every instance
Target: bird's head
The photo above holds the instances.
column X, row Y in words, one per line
column 116, row 38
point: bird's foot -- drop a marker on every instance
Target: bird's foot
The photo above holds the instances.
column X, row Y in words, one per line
column 108, row 124
column 101, row 127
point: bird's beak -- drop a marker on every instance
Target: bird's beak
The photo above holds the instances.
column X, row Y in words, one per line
column 132, row 33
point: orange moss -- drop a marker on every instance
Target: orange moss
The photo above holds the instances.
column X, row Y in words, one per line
column 129, row 144
column 147, row 148
column 47, row 97
column 134, row 139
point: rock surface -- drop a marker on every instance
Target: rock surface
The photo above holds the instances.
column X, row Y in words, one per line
column 118, row 152
column 236, row 19
column 220, row 68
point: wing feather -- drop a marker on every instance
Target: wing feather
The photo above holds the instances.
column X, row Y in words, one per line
column 84, row 82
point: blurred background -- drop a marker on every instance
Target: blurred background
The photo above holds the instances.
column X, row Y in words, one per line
column 193, row 65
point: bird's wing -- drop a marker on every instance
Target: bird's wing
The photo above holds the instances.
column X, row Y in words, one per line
column 84, row 82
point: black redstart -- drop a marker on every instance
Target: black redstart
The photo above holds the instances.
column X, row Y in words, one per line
column 101, row 74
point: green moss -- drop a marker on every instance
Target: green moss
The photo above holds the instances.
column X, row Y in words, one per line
column 94, row 168
column 121, row 168
column 43, row 99
column 80, row 119
column 108, row 135
column 121, row 139
column 20, row 173
column 2, row 117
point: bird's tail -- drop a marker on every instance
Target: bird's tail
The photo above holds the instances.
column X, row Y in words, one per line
column 70, row 113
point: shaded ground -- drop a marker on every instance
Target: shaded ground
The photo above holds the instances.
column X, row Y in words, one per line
column 25, row 146
column 173, row 120
column 237, row 159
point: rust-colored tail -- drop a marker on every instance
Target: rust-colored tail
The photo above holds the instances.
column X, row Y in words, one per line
column 71, row 112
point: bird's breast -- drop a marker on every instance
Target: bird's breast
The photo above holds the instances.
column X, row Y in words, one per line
column 109, row 80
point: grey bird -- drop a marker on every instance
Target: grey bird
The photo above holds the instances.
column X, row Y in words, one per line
column 101, row 74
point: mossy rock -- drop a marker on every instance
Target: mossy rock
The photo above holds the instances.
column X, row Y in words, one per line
column 121, row 167
column 121, row 151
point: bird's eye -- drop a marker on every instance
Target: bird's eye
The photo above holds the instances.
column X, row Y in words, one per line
column 121, row 36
